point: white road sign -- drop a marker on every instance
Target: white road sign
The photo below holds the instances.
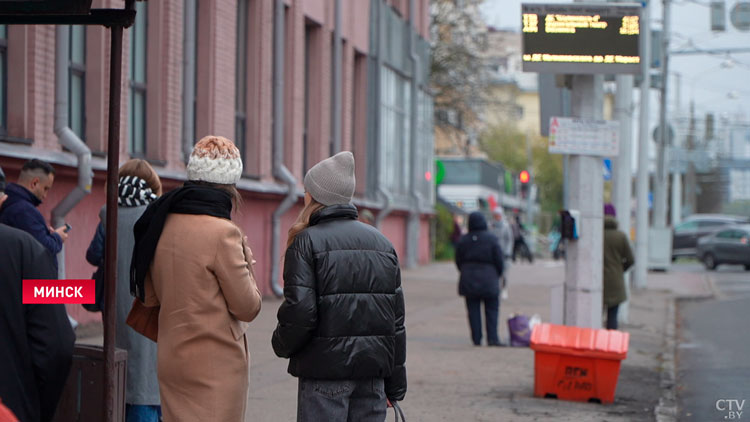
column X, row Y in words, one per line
column 584, row 137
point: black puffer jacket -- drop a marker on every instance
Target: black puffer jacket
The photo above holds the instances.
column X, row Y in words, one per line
column 343, row 313
column 479, row 258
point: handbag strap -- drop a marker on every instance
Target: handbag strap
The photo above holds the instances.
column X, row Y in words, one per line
column 398, row 412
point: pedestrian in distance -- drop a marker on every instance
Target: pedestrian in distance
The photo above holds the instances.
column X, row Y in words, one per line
column 366, row 217
column 519, row 242
column 36, row 341
column 342, row 320
column 501, row 228
column 479, row 259
column 618, row 258
column 194, row 263
column 138, row 186
column 20, row 210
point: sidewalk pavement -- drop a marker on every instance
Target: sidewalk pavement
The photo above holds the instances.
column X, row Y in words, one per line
column 452, row 380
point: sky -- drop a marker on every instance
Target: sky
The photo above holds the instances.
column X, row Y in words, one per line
column 716, row 83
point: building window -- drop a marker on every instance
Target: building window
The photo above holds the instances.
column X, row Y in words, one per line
column 137, row 108
column 240, row 96
column 394, row 130
column 3, row 79
column 77, row 81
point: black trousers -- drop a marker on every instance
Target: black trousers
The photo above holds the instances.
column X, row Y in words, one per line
column 612, row 317
column 491, row 312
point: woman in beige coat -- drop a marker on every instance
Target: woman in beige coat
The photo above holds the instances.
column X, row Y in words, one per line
column 194, row 262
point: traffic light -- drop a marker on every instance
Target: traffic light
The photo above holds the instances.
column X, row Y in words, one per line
column 524, row 177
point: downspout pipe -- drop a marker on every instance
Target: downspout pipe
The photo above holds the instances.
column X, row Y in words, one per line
column 279, row 169
column 384, row 193
column 67, row 138
column 188, row 82
column 412, row 238
column 337, row 82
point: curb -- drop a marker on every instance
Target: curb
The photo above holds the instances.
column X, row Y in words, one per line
column 666, row 410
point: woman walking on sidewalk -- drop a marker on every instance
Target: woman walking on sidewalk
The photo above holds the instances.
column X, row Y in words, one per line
column 194, row 262
column 342, row 320
column 618, row 257
column 479, row 258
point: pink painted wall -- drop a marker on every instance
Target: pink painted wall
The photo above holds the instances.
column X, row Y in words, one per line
column 31, row 51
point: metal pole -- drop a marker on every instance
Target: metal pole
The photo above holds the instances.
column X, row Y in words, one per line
column 583, row 270
column 337, row 82
column 413, row 223
column 661, row 179
column 676, row 176
column 641, row 215
column 110, row 252
column 622, row 173
column 529, row 202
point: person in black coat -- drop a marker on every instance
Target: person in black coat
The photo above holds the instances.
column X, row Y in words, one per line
column 479, row 258
column 342, row 320
column 36, row 341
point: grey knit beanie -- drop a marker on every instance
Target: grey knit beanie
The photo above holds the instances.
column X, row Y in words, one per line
column 331, row 181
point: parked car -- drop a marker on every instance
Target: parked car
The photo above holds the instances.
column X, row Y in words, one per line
column 686, row 234
column 730, row 245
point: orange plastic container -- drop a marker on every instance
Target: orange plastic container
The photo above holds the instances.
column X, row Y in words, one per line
column 575, row 363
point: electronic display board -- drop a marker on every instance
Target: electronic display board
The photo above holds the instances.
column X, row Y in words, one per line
column 580, row 38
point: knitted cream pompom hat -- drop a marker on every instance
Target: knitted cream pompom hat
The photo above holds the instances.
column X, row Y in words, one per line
column 215, row 159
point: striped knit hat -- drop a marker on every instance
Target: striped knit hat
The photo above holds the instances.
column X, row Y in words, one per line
column 215, row 159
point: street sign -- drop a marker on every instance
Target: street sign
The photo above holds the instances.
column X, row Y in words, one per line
column 584, row 137
column 579, row 38
column 718, row 16
column 607, row 169
column 656, row 134
column 740, row 16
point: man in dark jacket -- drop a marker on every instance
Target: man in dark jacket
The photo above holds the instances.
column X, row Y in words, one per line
column 342, row 320
column 479, row 258
column 36, row 345
column 20, row 210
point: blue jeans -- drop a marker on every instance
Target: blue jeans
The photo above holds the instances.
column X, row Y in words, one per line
column 341, row 400
column 491, row 311
column 142, row 413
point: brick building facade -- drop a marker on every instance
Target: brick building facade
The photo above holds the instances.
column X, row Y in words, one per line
column 198, row 67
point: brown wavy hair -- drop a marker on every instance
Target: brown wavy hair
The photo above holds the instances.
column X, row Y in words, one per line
column 303, row 220
column 142, row 169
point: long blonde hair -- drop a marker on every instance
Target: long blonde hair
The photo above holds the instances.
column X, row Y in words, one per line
column 303, row 220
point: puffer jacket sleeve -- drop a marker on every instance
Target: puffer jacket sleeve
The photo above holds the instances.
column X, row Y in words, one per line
column 395, row 385
column 298, row 314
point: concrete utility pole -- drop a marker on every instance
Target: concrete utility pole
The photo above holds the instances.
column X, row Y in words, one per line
column 622, row 174
column 661, row 178
column 641, row 215
column 583, row 269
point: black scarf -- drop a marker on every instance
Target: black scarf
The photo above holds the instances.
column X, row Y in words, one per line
column 133, row 191
column 192, row 198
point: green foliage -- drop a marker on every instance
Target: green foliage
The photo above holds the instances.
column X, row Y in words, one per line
column 444, row 228
column 507, row 145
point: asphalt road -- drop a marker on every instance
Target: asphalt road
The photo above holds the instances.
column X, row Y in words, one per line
column 713, row 355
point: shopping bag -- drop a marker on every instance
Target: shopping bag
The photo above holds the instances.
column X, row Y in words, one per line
column 520, row 332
